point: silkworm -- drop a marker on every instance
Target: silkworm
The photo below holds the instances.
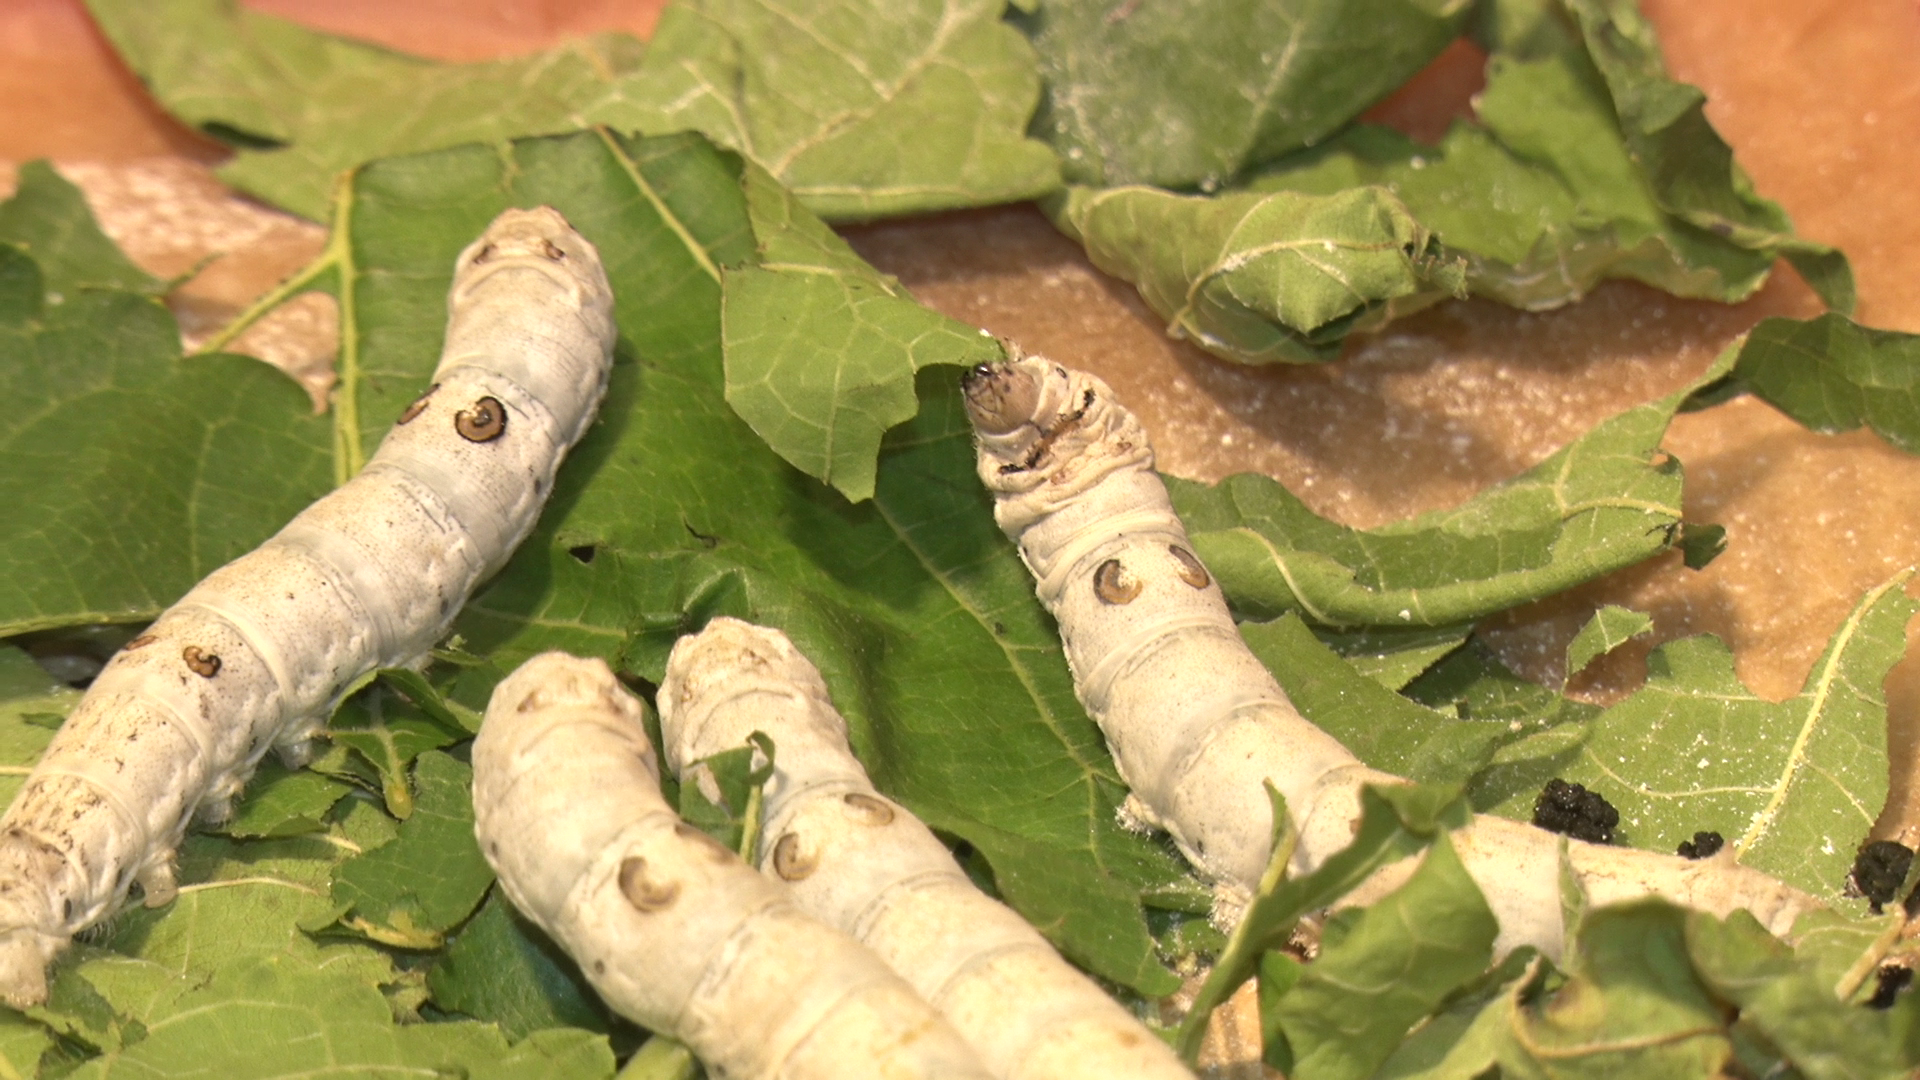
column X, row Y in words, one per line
column 1196, row 724
column 253, row 657
column 866, row 865
column 673, row 930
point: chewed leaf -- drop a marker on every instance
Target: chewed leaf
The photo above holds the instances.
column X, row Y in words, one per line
column 410, row 892
column 1603, row 502
column 504, row 970
column 1607, row 630
column 821, row 349
column 1226, row 85
column 1832, row 374
column 1793, row 786
column 1280, row 277
column 283, row 803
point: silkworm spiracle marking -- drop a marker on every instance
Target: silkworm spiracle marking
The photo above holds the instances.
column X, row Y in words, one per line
column 643, row 893
column 1190, row 570
column 367, row 577
column 1114, row 585
column 484, row 421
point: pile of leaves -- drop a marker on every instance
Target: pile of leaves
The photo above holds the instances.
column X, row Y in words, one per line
column 783, row 442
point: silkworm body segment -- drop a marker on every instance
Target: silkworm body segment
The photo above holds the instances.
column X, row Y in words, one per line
column 253, row 657
column 1195, row 723
column 673, row 930
column 866, row 865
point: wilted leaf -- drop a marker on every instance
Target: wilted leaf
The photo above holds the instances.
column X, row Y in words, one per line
column 410, row 892
column 1832, row 374
column 1190, row 94
column 903, row 107
column 1262, row 278
column 1464, row 1040
column 1794, row 786
column 821, row 348
column 1602, row 502
column 1387, row 967
column 861, row 109
column 1783, row 1003
column 1607, row 630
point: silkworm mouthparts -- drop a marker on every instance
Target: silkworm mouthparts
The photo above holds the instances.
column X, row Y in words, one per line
column 484, row 421
column 1000, row 397
column 1114, row 585
column 644, row 894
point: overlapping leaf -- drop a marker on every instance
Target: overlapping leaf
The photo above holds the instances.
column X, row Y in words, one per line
column 430, row 878
column 131, row 473
column 1189, row 94
column 821, row 348
column 672, row 510
column 1794, row 786
column 1832, row 374
column 1280, row 277
column 1605, row 501
column 904, row 107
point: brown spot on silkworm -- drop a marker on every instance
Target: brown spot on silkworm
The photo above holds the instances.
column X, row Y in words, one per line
column 599, row 967
column 485, row 421
column 204, row 664
column 141, row 642
column 1113, row 585
column 419, row 406
column 645, row 895
column 1190, row 571
column 868, row 810
column 552, row 251
column 483, row 255
column 790, row 862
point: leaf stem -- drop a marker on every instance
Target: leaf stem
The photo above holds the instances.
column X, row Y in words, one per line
column 661, row 1058
column 348, row 455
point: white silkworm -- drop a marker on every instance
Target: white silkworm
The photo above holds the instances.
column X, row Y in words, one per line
column 253, row 657
column 1195, row 723
column 866, row 865
column 675, row 931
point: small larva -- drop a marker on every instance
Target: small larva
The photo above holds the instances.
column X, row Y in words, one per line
column 675, row 931
column 1196, row 723
column 369, row 576
column 867, row 866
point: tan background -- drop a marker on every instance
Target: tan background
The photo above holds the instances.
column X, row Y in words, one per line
column 1820, row 98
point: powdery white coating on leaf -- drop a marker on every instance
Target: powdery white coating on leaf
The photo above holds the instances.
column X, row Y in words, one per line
column 253, row 657
column 1196, row 723
column 863, row 863
column 675, row 931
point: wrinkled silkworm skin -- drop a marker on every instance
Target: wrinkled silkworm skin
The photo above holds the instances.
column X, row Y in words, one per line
column 253, row 657
column 675, row 931
column 1196, row 723
column 864, row 864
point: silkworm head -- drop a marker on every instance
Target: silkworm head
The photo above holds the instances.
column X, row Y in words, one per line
column 1002, row 397
column 484, row 421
